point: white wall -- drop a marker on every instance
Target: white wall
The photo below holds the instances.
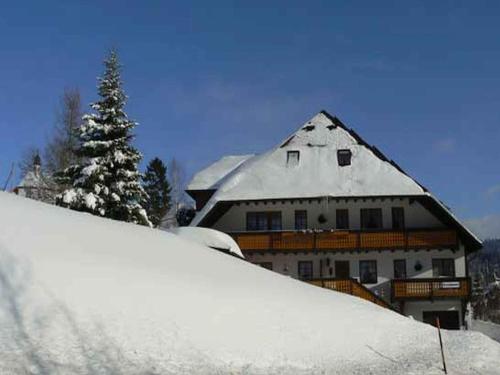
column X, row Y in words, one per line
column 287, row 263
column 416, row 216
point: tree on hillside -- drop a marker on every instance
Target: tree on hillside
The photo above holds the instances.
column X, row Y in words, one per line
column 60, row 151
column 156, row 186
column 106, row 181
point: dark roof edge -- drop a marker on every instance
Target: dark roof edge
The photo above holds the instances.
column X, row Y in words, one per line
column 379, row 154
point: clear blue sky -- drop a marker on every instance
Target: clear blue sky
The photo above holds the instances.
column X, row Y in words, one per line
column 420, row 81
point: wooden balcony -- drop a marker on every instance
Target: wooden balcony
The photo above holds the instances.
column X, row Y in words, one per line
column 430, row 289
column 346, row 240
column 352, row 287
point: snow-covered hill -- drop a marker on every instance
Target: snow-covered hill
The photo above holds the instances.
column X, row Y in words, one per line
column 80, row 294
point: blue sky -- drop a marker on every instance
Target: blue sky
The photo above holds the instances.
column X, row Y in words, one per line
column 421, row 81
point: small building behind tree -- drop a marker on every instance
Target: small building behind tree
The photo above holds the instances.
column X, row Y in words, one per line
column 35, row 184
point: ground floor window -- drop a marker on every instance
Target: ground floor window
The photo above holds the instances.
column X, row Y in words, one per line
column 443, row 267
column 305, row 270
column 447, row 319
column 267, row 265
column 368, row 271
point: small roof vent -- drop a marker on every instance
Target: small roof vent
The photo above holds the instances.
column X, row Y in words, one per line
column 292, row 158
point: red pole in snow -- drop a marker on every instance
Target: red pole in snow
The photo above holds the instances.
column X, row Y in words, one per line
column 441, row 344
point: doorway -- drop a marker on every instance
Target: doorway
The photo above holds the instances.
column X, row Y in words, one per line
column 447, row 319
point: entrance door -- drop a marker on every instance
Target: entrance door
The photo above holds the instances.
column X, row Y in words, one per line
column 447, row 319
column 342, row 269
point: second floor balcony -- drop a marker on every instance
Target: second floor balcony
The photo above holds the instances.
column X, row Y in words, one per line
column 347, row 240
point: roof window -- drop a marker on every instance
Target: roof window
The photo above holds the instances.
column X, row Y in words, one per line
column 344, row 157
column 292, row 158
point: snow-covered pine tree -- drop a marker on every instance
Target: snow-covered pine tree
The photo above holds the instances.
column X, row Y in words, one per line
column 156, row 185
column 107, row 182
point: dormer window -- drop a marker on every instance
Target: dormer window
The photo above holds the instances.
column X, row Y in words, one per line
column 344, row 157
column 292, row 158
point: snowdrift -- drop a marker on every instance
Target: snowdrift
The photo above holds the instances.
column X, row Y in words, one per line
column 209, row 237
column 85, row 295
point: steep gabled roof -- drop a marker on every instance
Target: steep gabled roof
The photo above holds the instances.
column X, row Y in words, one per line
column 317, row 174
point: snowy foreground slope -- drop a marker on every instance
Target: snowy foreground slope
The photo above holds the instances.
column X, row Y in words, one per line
column 80, row 294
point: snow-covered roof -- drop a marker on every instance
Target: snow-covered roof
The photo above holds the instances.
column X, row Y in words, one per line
column 81, row 294
column 208, row 177
column 33, row 179
column 317, row 173
column 209, row 237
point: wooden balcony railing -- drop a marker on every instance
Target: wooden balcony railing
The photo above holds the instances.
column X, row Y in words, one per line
column 347, row 240
column 350, row 286
column 436, row 288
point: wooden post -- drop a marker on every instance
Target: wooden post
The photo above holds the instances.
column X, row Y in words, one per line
column 441, row 344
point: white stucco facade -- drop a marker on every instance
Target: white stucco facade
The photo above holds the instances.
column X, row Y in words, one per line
column 416, row 216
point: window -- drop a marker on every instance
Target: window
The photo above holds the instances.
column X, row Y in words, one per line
column 292, row 158
column 400, row 268
column 305, row 270
column 300, row 219
column 275, row 220
column 256, row 221
column 443, row 267
column 342, row 219
column 398, row 218
column 266, row 265
column 368, row 271
column 371, row 218
column 264, row 220
column 344, row 157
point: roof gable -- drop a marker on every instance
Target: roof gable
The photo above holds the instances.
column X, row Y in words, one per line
column 267, row 176
column 318, row 173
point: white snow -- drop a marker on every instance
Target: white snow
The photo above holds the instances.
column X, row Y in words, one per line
column 87, row 295
column 208, row 237
column 119, row 156
column 90, row 201
column 206, row 178
column 91, row 167
column 69, row 196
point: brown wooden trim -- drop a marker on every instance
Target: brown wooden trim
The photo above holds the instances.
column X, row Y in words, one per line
column 350, row 286
column 418, row 289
